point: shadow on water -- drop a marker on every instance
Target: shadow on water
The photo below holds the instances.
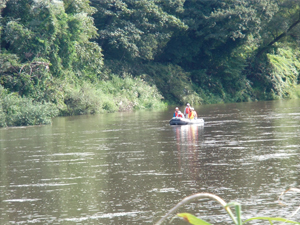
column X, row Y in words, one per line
column 131, row 168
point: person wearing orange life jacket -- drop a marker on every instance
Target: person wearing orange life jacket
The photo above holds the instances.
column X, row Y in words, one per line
column 177, row 113
column 187, row 110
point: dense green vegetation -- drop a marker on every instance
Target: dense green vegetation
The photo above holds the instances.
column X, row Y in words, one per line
column 114, row 55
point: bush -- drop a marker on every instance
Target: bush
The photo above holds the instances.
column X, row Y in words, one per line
column 84, row 99
column 18, row 111
column 276, row 75
column 111, row 95
column 173, row 82
column 130, row 93
column 285, row 71
column 2, row 117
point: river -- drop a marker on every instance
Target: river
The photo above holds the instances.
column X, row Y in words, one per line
column 131, row 168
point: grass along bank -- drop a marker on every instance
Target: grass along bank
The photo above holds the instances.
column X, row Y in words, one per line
column 77, row 98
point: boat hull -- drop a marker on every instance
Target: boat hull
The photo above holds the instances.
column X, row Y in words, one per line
column 184, row 121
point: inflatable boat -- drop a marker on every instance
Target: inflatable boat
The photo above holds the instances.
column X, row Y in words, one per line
column 185, row 121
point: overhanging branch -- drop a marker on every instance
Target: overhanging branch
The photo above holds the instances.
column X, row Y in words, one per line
column 262, row 50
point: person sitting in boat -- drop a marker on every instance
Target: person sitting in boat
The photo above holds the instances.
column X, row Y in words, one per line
column 187, row 110
column 191, row 114
column 177, row 113
column 195, row 114
column 180, row 114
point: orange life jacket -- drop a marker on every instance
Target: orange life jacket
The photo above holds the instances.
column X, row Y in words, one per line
column 187, row 110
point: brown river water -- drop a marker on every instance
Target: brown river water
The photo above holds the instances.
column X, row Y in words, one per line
column 131, row 168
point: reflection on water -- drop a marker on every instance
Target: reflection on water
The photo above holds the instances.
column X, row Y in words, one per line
column 188, row 139
column 131, row 168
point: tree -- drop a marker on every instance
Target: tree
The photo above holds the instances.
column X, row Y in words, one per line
column 283, row 24
column 56, row 31
column 221, row 36
column 135, row 29
column 215, row 29
column 2, row 6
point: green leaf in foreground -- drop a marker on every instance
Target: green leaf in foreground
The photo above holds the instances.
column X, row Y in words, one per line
column 192, row 219
column 270, row 219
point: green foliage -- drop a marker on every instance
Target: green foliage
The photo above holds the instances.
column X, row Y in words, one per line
column 82, row 99
column 3, row 92
column 49, row 32
column 173, row 82
column 215, row 29
column 134, row 93
column 2, row 6
column 130, row 93
column 282, row 26
column 195, row 51
column 19, row 37
column 276, row 75
column 112, row 95
column 17, row 111
column 296, row 92
column 225, row 81
column 32, row 79
column 9, row 63
column 213, row 53
column 235, row 219
column 285, row 70
column 78, row 6
column 135, row 29
column 192, row 219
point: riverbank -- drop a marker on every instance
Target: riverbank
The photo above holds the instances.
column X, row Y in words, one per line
column 112, row 95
